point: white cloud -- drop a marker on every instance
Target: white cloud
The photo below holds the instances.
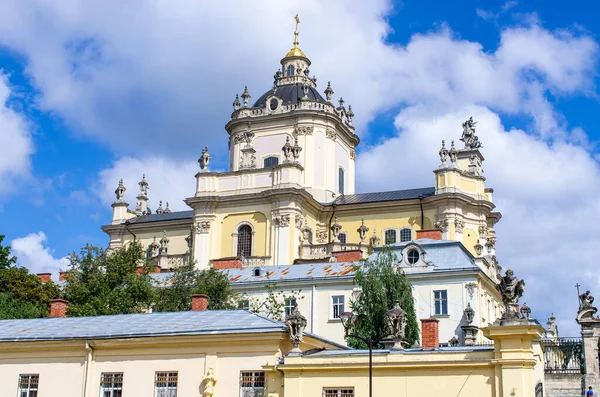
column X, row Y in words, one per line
column 33, row 253
column 15, row 141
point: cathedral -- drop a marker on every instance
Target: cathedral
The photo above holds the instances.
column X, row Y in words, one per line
column 286, row 211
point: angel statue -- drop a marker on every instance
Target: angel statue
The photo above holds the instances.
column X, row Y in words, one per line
column 209, row 381
column 468, row 136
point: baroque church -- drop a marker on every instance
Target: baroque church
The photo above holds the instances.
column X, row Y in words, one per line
column 286, row 211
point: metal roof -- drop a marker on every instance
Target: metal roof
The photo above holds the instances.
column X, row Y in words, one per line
column 305, row 271
column 393, row 195
column 172, row 216
column 289, row 94
column 138, row 325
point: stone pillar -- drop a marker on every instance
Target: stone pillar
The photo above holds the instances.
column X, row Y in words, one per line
column 201, row 243
column 282, row 239
column 590, row 332
column 517, row 358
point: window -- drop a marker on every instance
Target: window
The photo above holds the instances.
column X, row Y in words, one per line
column 243, row 304
column 270, row 162
column 252, row 383
column 165, row 384
column 289, row 305
column 244, row 242
column 342, row 237
column 111, row 384
column 290, row 70
column 413, row 256
column 440, row 299
column 341, row 180
column 390, row 236
column 28, row 385
column 337, row 306
column 338, row 392
column 405, row 235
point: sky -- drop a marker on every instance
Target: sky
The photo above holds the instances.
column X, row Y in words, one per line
column 95, row 91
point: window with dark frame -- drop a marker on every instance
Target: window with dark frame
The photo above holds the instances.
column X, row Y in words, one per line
column 111, row 384
column 244, row 242
column 338, row 392
column 252, row 383
column 243, row 304
column 290, row 70
column 270, row 162
column 342, row 237
column 440, row 299
column 413, row 256
column 390, row 236
column 165, row 384
column 341, row 180
column 28, row 385
column 289, row 305
column 337, row 306
column 405, row 234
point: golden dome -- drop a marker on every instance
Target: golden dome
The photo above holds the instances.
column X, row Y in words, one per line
column 295, row 51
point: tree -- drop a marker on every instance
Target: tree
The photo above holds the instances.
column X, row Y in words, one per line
column 108, row 282
column 176, row 294
column 6, row 260
column 273, row 306
column 382, row 285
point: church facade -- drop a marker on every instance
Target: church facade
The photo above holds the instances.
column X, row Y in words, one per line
column 288, row 199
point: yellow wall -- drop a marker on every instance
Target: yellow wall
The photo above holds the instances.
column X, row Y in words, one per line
column 228, row 227
column 469, row 239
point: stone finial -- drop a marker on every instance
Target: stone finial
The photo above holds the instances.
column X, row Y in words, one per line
column 469, row 314
column 443, row 154
column 167, row 209
column 341, row 102
column 120, row 191
column 468, row 136
column 154, row 247
column 525, row 311
column 246, row 96
column 397, row 320
column 452, row 153
column 296, row 149
column 160, row 209
column 295, row 323
column 143, row 184
column 453, row 341
column 374, row 240
column 236, row 102
column 349, row 115
column 328, row 92
column 551, row 327
column 164, row 243
column 335, row 229
column 511, row 290
column 287, row 150
column 204, row 159
column 362, row 231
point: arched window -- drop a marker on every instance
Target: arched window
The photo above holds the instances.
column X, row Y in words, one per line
column 390, row 236
column 341, row 180
column 405, row 234
column 290, row 70
column 271, row 161
column 244, row 242
column 342, row 237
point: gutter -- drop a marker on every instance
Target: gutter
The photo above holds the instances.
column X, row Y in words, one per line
column 88, row 362
column 330, row 219
column 421, row 197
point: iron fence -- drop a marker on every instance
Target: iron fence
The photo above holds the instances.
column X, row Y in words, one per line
column 563, row 355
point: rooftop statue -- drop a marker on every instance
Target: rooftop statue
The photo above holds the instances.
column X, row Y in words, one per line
column 586, row 307
column 468, row 136
column 511, row 290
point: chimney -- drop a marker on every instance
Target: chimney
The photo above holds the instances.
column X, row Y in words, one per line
column 45, row 277
column 434, row 234
column 199, row 302
column 62, row 276
column 58, row 308
column 430, row 333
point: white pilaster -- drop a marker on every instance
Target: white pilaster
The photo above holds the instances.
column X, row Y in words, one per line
column 202, row 243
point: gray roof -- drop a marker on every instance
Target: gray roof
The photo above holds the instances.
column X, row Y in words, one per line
column 412, row 350
column 289, row 94
column 172, row 216
column 393, row 195
column 444, row 254
column 138, row 325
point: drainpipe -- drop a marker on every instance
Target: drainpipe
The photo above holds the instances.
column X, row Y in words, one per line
column 330, row 219
column 421, row 197
column 127, row 223
column 88, row 362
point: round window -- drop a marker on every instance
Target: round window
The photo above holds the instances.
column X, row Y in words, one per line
column 413, row 256
column 273, row 104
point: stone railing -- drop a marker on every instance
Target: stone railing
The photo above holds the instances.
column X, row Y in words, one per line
column 171, row 261
column 254, row 261
column 301, row 105
column 321, row 251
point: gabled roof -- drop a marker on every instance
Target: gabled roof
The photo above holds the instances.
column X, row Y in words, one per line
column 393, row 195
column 138, row 325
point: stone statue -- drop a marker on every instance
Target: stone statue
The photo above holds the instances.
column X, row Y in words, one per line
column 204, row 159
column 295, row 323
column 468, row 136
column 511, row 290
column 585, row 301
column 209, row 382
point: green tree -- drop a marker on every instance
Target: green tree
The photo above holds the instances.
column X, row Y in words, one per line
column 382, row 285
column 6, row 260
column 107, row 282
column 273, row 305
column 176, row 293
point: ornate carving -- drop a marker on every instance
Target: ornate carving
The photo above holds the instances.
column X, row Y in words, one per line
column 453, row 341
column 349, row 115
column 295, row 323
column 328, row 92
column 352, row 154
column 189, row 240
column 282, row 220
column 468, row 136
column 452, row 153
column 442, row 224
column 246, row 96
column 483, row 231
column 296, row 149
column 335, row 229
column 209, row 381
column 153, row 247
column 204, row 159
column 362, row 231
column 120, row 191
column 202, row 227
column 471, row 288
column 287, row 150
column 331, row 133
column 397, row 320
column 298, row 219
column 236, row 102
column 478, row 249
column 374, row 240
column 459, row 225
column 511, row 290
column 469, row 314
column 164, row 243
column 443, row 154
column 304, row 129
column 322, row 236
column 143, row 184
column 586, row 307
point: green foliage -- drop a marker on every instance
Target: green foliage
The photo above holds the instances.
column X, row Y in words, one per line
column 187, row 280
column 381, row 287
column 6, row 260
column 273, row 305
column 10, row 308
column 102, row 282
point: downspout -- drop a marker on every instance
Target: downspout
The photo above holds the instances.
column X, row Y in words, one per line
column 421, row 197
column 330, row 219
column 127, row 223
column 88, row 362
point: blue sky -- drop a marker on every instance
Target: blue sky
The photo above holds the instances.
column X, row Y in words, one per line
column 103, row 91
